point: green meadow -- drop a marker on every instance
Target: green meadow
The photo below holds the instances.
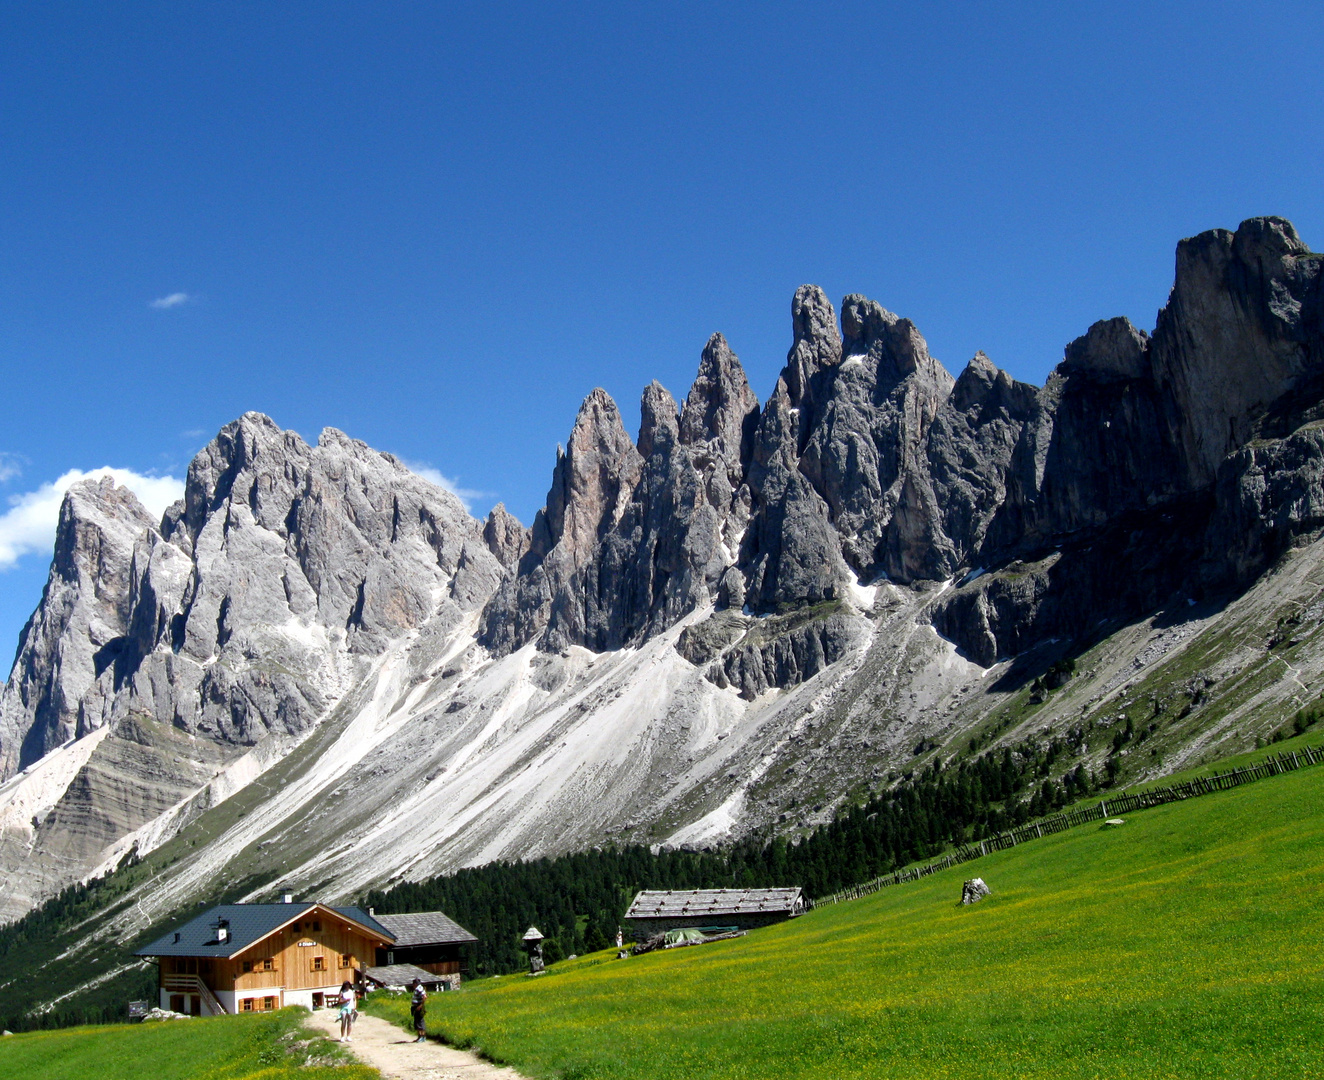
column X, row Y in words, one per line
column 1185, row 943
column 269, row 1046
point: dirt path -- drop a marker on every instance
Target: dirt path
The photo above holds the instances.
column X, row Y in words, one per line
column 392, row 1050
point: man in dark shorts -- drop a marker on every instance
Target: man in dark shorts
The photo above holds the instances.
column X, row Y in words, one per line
column 418, row 1007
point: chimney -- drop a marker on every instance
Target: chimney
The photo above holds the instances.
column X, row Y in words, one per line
column 176, row 937
column 287, row 897
column 222, row 929
column 372, row 913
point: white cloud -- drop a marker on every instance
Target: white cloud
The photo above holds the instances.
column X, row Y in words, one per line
column 175, row 299
column 11, row 465
column 435, row 476
column 29, row 524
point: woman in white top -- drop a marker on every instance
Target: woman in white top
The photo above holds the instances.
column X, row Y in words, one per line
column 347, row 1001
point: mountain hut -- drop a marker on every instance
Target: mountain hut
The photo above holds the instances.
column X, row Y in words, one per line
column 257, row 957
column 711, row 910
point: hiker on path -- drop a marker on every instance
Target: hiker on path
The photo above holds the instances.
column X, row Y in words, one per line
column 348, row 1000
column 418, row 1007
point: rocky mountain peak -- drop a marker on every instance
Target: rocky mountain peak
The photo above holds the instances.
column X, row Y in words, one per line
column 975, row 383
column 594, row 475
column 634, row 537
column 79, row 628
column 99, row 521
column 233, row 624
column 505, row 537
column 659, row 421
column 1267, row 240
column 893, row 343
column 1235, row 334
column 335, row 438
column 1111, row 348
column 815, row 344
column 598, row 427
column 721, row 411
column 252, row 444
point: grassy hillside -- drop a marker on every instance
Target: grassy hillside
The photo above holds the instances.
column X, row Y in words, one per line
column 1183, row 944
column 272, row 1047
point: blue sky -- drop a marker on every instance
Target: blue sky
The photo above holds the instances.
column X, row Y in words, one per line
column 437, row 227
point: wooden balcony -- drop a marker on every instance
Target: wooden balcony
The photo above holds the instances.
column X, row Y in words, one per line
column 193, row 984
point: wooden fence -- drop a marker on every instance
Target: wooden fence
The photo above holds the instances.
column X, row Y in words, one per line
column 1288, row 761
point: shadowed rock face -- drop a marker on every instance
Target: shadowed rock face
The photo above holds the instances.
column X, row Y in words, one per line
column 1241, row 329
column 552, row 591
column 1152, row 437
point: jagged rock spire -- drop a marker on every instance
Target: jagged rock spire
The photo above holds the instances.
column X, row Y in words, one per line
column 505, row 537
column 869, row 329
column 816, row 344
column 721, row 410
column 593, row 479
column 659, row 421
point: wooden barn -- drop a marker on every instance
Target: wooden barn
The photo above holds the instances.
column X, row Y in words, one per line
column 426, row 940
column 255, row 957
column 710, row 910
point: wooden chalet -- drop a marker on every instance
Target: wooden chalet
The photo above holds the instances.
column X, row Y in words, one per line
column 711, row 910
column 255, row 957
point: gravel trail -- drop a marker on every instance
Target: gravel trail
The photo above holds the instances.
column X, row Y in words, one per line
column 386, row 1047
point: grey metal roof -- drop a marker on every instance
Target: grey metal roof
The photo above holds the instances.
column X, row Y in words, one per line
column 401, row 975
column 249, row 923
column 424, row 928
column 684, row 903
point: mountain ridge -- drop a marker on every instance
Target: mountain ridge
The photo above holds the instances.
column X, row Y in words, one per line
column 742, row 608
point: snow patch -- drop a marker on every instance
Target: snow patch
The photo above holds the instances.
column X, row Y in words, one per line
column 863, row 595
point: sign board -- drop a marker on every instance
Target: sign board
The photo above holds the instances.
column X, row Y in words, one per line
column 307, row 943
